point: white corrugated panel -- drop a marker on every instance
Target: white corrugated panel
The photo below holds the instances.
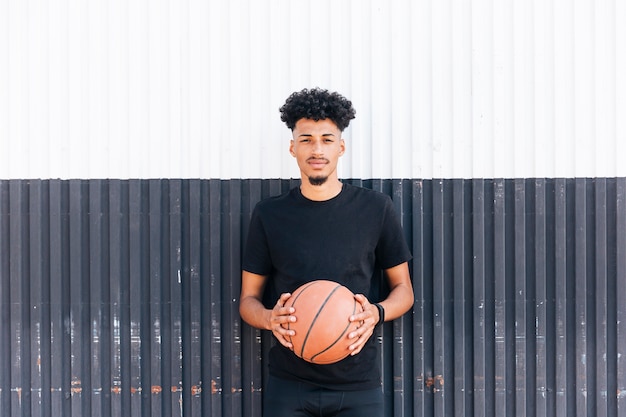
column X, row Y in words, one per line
column 152, row 89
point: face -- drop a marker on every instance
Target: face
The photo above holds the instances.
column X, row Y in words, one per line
column 317, row 146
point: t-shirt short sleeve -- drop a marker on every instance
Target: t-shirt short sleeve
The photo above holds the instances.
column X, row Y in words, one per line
column 256, row 258
column 392, row 249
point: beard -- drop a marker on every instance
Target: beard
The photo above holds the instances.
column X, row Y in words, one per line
column 317, row 181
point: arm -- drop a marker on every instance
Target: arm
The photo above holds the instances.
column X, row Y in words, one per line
column 399, row 301
column 254, row 313
column 400, row 298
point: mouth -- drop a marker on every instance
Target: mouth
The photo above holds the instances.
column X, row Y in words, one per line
column 317, row 162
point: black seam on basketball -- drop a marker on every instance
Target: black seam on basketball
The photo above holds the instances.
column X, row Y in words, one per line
column 294, row 303
column 339, row 338
column 317, row 313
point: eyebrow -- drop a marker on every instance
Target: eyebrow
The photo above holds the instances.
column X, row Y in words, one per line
column 309, row 135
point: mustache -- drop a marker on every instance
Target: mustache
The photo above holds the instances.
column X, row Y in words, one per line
column 312, row 158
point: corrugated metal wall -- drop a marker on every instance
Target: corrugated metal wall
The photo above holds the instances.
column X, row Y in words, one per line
column 120, row 298
column 191, row 89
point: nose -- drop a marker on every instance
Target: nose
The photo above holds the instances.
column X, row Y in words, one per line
column 317, row 148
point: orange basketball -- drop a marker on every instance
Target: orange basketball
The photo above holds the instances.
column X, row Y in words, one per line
column 323, row 309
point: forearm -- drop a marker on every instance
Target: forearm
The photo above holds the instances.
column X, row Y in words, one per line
column 254, row 313
column 398, row 302
column 400, row 298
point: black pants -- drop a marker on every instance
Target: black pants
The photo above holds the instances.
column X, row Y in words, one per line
column 284, row 398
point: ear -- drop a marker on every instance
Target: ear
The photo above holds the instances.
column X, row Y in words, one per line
column 291, row 151
column 342, row 145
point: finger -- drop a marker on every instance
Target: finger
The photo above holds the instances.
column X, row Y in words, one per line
column 356, row 351
column 360, row 336
column 361, row 299
column 285, row 342
column 356, row 347
column 365, row 309
column 361, row 332
column 283, row 335
column 281, row 317
column 280, row 311
column 363, row 318
column 283, row 299
column 283, row 314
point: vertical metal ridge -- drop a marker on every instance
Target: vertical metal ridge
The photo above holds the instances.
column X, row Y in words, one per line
column 100, row 322
column 462, row 308
column 584, row 296
column 120, row 298
column 19, row 306
column 186, row 285
column 60, row 297
column 544, row 298
column 166, row 203
column 562, row 299
column 139, row 296
column 173, row 280
column 443, row 394
column 159, row 351
column 420, row 269
column 482, row 328
column 620, row 294
column 252, row 346
column 5, row 299
column 79, row 273
column 524, row 296
column 194, row 382
column 212, row 317
column 602, row 359
column 231, row 245
column 402, row 340
column 40, row 297
column 501, row 284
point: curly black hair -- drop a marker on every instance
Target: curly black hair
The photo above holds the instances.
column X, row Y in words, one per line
column 317, row 104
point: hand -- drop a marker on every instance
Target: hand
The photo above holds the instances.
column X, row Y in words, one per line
column 368, row 319
column 282, row 315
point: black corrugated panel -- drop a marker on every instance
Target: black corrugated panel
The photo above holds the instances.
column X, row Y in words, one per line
column 121, row 298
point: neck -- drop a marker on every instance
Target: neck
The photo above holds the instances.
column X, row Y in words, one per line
column 330, row 189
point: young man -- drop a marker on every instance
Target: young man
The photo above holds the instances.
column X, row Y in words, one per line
column 323, row 229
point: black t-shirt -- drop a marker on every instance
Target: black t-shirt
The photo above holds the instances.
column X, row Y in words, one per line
column 294, row 240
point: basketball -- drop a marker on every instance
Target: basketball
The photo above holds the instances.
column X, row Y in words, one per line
column 323, row 309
